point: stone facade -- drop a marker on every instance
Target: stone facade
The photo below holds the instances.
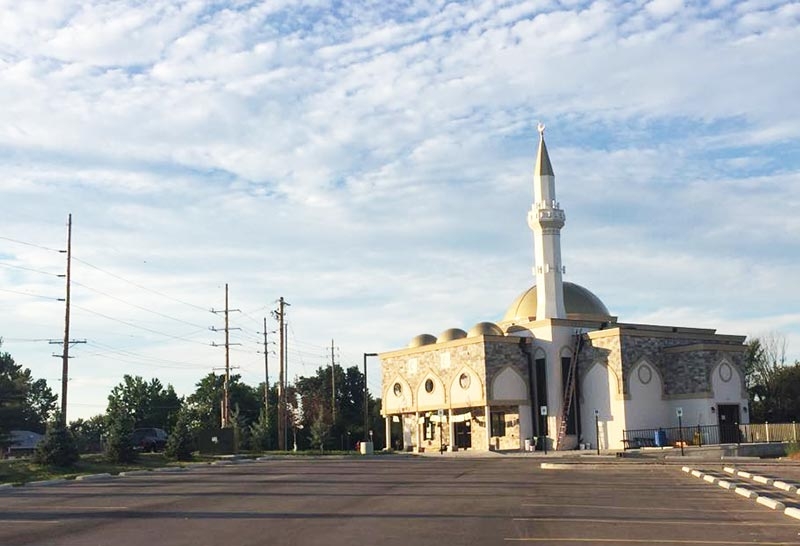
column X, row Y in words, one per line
column 684, row 360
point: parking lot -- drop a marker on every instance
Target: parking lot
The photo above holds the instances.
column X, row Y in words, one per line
column 391, row 500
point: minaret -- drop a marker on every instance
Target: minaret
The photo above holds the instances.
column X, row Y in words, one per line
column 546, row 220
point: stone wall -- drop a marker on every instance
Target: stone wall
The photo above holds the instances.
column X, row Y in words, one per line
column 683, row 372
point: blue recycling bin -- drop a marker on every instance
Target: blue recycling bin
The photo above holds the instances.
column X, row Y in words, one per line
column 660, row 438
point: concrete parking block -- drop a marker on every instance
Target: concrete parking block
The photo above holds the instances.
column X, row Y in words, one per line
column 697, row 473
column 744, row 474
column 709, row 478
column 686, row 469
column 770, row 503
column 729, row 470
column 725, row 484
column 56, row 481
column 784, row 486
column 792, row 512
column 763, row 479
column 746, row 493
column 89, row 477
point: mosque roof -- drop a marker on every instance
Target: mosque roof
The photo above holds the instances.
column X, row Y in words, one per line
column 578, row 302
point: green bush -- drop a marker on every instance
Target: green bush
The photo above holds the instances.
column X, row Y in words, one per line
column 58, row 447
column 180, row 443
column 119, row 448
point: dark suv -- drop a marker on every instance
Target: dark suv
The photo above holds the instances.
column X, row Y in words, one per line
column 149, row 439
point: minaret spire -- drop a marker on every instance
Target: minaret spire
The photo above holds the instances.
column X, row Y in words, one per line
column 546, row 220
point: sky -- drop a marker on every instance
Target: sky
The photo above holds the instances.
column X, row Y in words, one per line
column 371, row 162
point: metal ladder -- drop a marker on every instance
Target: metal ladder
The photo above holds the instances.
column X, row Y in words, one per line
column 569, row 391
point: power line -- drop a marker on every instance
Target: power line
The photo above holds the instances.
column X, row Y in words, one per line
column 30, row 295
column 30, row 269
column 30, row 244
column 136, row 306
column 119, row 350
column 137, row 326
column 137, row 285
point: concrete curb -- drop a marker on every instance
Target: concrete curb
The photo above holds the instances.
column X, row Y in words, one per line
column 170, row 469
column 56, row 481
column 90, row 477
column 134, row 473
column 6, row 485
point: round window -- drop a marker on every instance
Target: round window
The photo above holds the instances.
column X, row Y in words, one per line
column 398, row 389
column 429, row 385
column 645, row 374
column 463, row 380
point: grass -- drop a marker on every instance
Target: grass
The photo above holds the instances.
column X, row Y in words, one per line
column 19, row 471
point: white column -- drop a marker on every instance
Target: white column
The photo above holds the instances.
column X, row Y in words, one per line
column 418, row 439
column 388, row 424
column 451, row 427
column 488, row 413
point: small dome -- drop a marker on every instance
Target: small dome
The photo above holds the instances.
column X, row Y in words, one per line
column 485, row 329
column 578, row 301
column 517, row 329
column 452, row 333
column 422, row 339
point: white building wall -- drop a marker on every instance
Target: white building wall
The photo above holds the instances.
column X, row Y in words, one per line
column 646, row 407
column 600, row 391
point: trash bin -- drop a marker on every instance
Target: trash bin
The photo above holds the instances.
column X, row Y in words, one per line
column 660, row 438
column 528, row 444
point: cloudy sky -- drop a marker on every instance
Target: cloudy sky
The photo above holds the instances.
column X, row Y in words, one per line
column 371, row 162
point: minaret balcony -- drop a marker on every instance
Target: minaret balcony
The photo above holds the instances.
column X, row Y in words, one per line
column 547, row 217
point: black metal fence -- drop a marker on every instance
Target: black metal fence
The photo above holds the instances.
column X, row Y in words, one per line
column 700, row 435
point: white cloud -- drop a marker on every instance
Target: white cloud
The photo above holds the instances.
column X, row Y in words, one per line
column 371, row 163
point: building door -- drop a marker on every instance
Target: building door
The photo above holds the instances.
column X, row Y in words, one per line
column 728, row 423
column 463, row 434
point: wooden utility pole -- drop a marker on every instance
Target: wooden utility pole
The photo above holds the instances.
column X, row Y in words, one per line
column 333, row 387
column 281, row 315
column 65, row 350
column 67, row 341
column 226, row 399
column 227, row 404
column 65, row 353
column 266, row 371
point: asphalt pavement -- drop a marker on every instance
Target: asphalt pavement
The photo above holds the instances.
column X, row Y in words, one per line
column 394, row 501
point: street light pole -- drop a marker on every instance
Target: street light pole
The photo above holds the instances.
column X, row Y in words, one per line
column 366, row 399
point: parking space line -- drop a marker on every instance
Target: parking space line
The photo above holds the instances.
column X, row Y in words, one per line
column 644, row 541
column 658, row 522
column 637, row 508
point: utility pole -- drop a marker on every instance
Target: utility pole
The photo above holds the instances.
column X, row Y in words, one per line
column 333, row 387
column 280, row 314
column 226, row 400
column 266, row 371
column 366, row 399
column 65, row 350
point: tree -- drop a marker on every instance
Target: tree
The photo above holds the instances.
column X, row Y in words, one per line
column 180, row 443
column 261, row 432
column 119, row 447
column 58, row 447
column 206, row 401
column 319, row 433
column 25, row 403
column 764, row 361
column 89, row 433
column 150, row 404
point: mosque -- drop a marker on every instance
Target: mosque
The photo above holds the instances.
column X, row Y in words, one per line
column 558, row 371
